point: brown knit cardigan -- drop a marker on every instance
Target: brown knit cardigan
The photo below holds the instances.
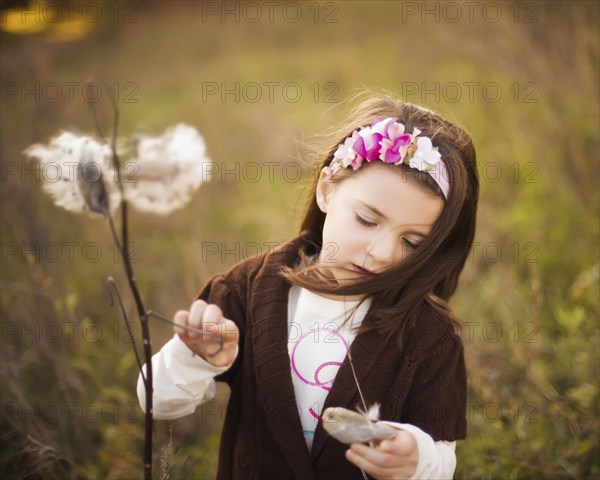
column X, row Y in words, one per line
column 423, row 382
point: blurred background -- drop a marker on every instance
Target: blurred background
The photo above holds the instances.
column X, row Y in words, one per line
column 259, row 80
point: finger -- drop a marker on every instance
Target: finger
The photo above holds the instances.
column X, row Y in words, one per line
column 377, row 457
column 181, row 318
column 371, row 467
column 225, row 340
column 388, row 446
column 230, row 333
column 378, row 441
column 213, row 316
column 402, row 444
column 195, row 319
column 211, row 324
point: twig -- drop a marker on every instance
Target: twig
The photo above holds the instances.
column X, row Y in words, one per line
column 356, row 381
column 205, row 335
column 361, row 397
column 158, row 316
column 165, row 456
column 122, row 246
column 115, row 288
column 141, row 312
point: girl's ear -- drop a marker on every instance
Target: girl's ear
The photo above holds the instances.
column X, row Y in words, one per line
column 324, row 189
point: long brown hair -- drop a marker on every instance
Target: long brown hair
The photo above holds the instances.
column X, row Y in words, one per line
column 430, row 275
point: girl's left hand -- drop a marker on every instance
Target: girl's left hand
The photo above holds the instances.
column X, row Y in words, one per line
column 393, row 458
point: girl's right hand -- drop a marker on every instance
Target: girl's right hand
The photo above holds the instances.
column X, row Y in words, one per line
column 217, row 345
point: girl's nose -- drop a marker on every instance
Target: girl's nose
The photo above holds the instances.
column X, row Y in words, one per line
column 384, row 250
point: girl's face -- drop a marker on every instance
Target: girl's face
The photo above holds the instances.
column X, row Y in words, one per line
column 374, row 219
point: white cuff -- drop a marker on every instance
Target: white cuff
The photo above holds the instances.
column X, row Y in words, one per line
column 436, row 459
column 182, row 380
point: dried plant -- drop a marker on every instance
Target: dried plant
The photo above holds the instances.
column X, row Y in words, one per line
column 166, row 171
column 166, row 452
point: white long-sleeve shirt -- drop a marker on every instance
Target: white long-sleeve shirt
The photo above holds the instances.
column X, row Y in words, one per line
column 317, row 344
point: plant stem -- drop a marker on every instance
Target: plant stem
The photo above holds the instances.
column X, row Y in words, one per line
column 146, row 345
column 148, row 385
column 122, row 245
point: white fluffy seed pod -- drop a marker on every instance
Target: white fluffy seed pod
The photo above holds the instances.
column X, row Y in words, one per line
column 166, row 170
column 75, row 172
column 349, row 427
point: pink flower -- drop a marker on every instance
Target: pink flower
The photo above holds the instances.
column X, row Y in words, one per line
column 345, row 153
column 367, row 145
column 357, row 162
column 381, row 126
column 395, row 147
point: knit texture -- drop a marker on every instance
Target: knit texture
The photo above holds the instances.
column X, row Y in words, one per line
column 421, row 382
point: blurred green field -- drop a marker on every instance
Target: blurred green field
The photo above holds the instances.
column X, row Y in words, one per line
column 259, row 86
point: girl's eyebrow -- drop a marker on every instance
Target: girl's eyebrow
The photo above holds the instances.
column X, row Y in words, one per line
column 374, row 210
column 384, row 217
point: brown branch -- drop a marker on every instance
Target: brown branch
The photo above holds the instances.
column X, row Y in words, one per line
column 113, row 287
column 122, row 246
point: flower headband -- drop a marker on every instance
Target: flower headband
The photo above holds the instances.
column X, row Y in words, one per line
column 387, row 141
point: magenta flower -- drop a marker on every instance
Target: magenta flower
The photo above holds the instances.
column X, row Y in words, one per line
column 368, row 144
column 394, row 142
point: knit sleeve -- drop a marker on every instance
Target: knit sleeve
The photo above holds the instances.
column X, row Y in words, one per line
column 436, row 402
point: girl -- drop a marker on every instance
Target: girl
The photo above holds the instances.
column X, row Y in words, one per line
column 350, row 313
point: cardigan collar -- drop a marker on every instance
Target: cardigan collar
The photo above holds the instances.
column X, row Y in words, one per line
column 268, row 330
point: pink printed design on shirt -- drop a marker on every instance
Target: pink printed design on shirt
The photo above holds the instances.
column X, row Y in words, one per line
column 318, row 368
column 321, row 367
column 313, row 413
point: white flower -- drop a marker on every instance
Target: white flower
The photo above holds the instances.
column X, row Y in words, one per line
column 75, row 171
column 345, row 152
column 426, row 156
column 381, row 126
column 367, row 135
column 167, row 170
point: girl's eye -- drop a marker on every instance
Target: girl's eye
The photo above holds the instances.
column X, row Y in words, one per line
column 410, row 245
column 364, row 222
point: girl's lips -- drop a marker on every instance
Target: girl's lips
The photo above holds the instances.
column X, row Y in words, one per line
column 362, row 271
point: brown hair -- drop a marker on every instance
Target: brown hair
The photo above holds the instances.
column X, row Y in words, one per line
column 430, row 275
